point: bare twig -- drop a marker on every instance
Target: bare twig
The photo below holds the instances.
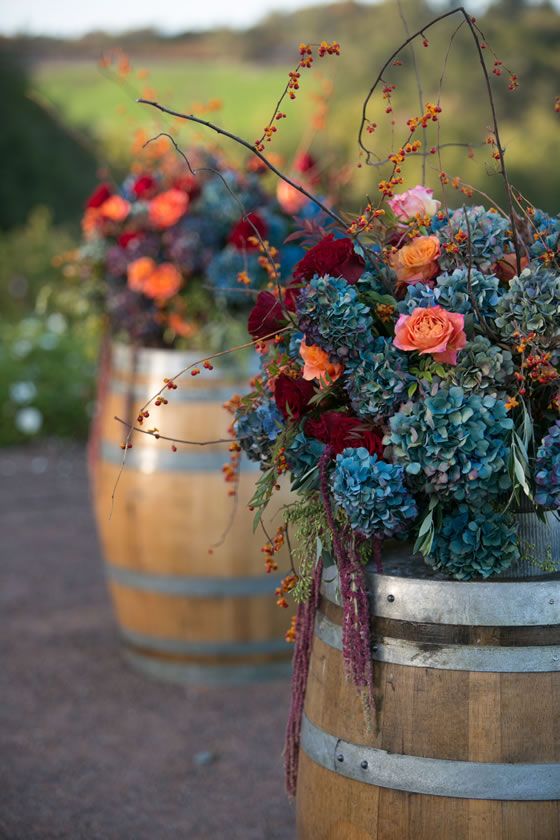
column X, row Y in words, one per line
column 213, row 127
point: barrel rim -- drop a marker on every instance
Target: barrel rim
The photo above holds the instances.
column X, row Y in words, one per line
column 485, row 603
column 206, row 675
column 193, row 586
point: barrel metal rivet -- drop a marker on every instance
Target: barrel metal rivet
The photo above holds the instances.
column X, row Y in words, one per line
column 340, row 757
column 364, row 765
column 390, row 598
column 551, row 601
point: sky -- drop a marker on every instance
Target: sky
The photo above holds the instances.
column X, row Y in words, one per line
column 75, row 17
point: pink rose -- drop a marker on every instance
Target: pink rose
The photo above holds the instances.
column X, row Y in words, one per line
column 432, row 331
column 418, row 201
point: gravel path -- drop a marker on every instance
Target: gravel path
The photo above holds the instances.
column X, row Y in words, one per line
column 90, row 750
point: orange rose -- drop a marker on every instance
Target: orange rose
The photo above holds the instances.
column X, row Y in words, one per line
column 179, row 326
column 115, row 209
column 432, row 331
column 417, row 262
column 159, row 282
column 167, row 208
column 138, row 273
column 318, row 365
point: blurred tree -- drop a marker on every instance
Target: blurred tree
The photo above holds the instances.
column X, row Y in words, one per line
column 42, row 161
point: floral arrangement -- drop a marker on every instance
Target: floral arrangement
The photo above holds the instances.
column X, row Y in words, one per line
column 174, row 257
column 415, row 384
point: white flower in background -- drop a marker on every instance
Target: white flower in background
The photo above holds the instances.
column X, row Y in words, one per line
column 48, row 341
column 22, row 348
column 29, row 420
column 23, row 392
column 57, row 323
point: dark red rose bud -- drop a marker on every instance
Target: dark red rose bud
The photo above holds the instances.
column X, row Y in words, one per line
column 335, row 257
column 304, row 162
column 292, row 396
column 99, row 195
column 342, row 432
column 266, row 317
column 144, row 186
column 245, row 229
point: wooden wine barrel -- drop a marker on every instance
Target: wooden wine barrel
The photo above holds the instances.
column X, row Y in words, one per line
column 185, row 615
column 466, row 744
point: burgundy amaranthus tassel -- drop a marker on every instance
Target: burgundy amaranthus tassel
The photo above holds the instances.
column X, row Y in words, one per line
column 305, row 623
column 356, row 630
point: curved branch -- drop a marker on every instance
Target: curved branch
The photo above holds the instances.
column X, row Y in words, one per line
column 247, row 145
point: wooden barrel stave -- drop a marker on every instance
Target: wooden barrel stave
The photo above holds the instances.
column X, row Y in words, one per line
column 186, row 614
column 485, row 717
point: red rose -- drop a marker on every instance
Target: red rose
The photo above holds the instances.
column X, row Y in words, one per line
column 266, row 316
column 341, row 432
column 292, row 396
column 335, row 257
column 291, row 293
column 143, row 186
column 189, row 184
column 245, row 229
column 128, row 236
column 99, row 195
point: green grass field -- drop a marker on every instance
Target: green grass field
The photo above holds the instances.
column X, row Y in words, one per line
column 107, row 112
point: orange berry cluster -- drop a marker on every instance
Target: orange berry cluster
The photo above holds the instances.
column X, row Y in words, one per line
column 431, row 114
column 272, row 548
column 286, row 585
column 306, row 59
column 243, row 278
column 267, row 258
column 365, row 221
column 290, row 634
column 142, row 416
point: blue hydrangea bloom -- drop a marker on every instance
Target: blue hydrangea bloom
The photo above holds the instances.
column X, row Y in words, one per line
column 483, row 366
column 331, row 316
column 489, row 237
column 302, row 455
column 547, row 470
column 451, row 292
column 257, row 430
column 373, row 494
column 224, row 268
column 549, row 229
column 377, row 381
column 531, row 303
column 474, row 543
column 454, row 444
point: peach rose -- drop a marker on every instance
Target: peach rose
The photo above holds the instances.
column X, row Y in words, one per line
column 318, row 365
column 159, row 282
column 167, row 208
column 114, row 209
column 290, row 199
column 417, row 262
column 418, row 201
column 432, row 331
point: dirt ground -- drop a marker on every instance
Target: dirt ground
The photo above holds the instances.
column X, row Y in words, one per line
column 89, row 749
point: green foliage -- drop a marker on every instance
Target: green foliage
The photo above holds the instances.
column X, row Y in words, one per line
column 47, row 372
column 27, row 271
column 311, row 539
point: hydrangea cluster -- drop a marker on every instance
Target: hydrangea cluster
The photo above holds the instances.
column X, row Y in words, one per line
column 333, row 318
column 483, row 367
column 489, row 237
column 302, row 456
column 453, row 444
column 547, row 470
column 531, row 304
column 373, row 494
column 452, row 292
column 257, row 429
column 548, row 228
column 377, row 381
column 474, row 542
